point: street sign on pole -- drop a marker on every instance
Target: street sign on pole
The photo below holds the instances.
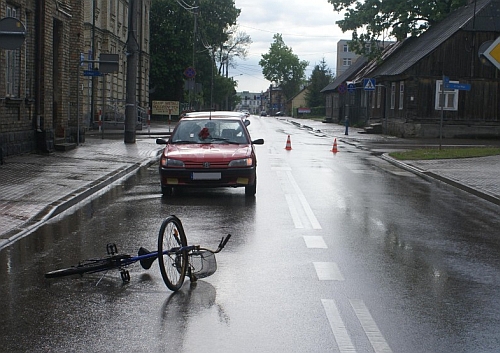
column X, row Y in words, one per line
column 12, row 33
column 91, row 73
column 108, row 63
column 342, row 88
column 493, row 53
column 351, row 87
column 460, row 86
column 165, row 107
column 369, row 84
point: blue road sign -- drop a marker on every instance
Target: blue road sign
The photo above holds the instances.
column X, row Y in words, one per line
column 342, row 88
column 351, row 87
column 460, row 86
column 369, row 84
column 91, row 73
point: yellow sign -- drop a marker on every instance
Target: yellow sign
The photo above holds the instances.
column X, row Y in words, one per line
column 165, row 108
column 493, row 53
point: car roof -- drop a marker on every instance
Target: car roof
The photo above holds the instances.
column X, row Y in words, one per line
column 215, row 115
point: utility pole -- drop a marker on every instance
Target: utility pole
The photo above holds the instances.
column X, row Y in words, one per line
column 132, row 64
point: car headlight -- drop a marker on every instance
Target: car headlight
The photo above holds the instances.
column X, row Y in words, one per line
column 171, row 163
column 245, row 162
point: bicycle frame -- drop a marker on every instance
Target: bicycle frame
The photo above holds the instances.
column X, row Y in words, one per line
column 175, row 262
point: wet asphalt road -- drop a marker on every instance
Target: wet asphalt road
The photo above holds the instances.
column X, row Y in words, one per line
column 336, row 253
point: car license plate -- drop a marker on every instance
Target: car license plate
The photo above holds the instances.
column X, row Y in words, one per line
column 206, row 176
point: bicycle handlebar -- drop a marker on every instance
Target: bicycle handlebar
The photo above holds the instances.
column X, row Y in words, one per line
column 223, row 243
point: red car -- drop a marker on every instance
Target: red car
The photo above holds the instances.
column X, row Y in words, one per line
column 209, row 149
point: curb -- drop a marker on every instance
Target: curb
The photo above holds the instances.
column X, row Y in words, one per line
column 430, row 176
column 66, row 202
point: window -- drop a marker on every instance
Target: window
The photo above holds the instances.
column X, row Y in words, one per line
column 346, row 61
column 12, row 63
column 401, row 94
column 447, row 98
column 393, row 95
column 346, row 48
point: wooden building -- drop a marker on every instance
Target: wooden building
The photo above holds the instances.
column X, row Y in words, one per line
column 409, row 93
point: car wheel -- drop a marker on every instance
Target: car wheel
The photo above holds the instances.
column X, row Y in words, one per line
column 166, row 190
column 250, row 190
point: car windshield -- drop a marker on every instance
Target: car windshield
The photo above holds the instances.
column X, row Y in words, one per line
column 210, row 131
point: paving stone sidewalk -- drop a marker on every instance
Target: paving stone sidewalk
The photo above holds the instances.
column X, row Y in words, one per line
column 35, row 187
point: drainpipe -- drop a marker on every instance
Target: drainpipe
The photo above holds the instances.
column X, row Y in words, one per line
column 39, row 26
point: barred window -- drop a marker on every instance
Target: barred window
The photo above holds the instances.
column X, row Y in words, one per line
column 446, row 98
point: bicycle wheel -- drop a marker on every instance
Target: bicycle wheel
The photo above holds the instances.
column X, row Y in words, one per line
column 173, row 265
column 89, row 266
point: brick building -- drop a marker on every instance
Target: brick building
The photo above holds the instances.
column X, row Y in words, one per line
column 37, row 87
column 44, row 95
column 106, row 25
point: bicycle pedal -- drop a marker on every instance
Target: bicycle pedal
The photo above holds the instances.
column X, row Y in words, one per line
column 125, row 275
column 111, row 249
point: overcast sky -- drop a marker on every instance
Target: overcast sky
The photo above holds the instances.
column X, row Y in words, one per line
column 307, row 27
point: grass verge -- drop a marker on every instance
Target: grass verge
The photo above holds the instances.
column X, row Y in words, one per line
column 445, row 153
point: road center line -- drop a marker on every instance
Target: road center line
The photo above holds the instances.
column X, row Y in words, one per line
column 293, row 211
column 337, row 325
column 305, row 205
column 328, row 271
column 315, row 242
column 370, row 327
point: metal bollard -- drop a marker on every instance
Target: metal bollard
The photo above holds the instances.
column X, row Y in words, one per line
column 346, row 125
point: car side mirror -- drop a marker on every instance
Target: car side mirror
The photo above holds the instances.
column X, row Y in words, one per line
column 258, row 142
column 161, row 141
column 247, row 122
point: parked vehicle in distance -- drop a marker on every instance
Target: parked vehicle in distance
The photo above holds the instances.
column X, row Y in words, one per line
column 209, row 149
column 280, row 114
column 263, row 113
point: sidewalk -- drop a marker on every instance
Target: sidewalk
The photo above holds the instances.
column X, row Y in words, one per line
column 34, row 188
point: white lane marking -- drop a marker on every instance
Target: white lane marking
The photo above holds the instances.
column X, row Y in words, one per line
column 315, row 242
column 337, row 325
column 293, row 211
column 305, row 205
column 328, row 271
column 370, row 327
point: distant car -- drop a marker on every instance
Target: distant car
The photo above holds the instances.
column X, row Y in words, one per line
column 280, row 114
column 209, row 149
column 263, row 113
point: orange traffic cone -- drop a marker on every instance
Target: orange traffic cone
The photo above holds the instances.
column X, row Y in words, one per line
column 334, row 149
column 288, row 144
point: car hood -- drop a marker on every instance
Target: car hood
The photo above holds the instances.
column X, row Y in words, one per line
column 207, row 152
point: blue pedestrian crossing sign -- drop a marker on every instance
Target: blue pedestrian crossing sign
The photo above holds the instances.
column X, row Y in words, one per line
column 369, row 84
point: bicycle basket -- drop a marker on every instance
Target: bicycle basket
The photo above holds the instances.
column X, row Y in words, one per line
column 203, row 263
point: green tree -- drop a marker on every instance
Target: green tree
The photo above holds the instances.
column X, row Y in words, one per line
column 171, row 37
column 375, row 20
column 321, row 76
column 281, row 66
column 171, row 47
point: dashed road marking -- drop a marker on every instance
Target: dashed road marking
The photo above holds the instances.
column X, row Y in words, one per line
column 370, row 327
column 328, row 271
column 293, row 211
column 315, row 242
column 305, row 205
column 338, row 327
